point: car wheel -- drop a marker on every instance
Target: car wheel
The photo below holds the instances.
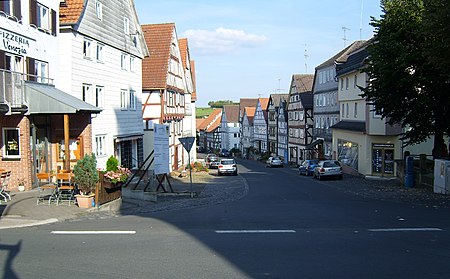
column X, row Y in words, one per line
column 219, row 174
column 235, row 173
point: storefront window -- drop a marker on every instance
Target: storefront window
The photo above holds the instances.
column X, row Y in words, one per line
column 348, row 153
column 11, row 143
column 382, row 159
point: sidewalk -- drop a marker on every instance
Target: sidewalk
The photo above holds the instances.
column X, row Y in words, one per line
column 22, row 210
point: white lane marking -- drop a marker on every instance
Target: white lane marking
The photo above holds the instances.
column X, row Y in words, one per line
column 92, row 232
column 255, row 231
column 407, row 230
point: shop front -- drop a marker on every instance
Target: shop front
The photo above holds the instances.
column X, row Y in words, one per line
column 383, row 159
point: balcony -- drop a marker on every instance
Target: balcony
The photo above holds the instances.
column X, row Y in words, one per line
column 13, row 99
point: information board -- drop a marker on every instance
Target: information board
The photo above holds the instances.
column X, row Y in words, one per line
column 161, row 143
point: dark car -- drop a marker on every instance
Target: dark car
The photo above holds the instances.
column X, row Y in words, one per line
column 307, row 167
column 224, row 153
column 212, row 161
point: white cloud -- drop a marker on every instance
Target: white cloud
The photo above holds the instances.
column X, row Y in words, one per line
column 222, row 40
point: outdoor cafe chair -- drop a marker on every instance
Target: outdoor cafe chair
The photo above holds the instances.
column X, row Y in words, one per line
column 47, row 189
column 5, row 177
column 66, row 188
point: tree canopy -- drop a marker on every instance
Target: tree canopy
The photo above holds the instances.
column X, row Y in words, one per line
column 408, row 80
column 221, row 103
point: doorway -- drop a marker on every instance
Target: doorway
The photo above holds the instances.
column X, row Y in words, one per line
column 383, row 159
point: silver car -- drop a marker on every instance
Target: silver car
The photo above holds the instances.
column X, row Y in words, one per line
column 328, row 168
column 227, row 166
column 274, row 162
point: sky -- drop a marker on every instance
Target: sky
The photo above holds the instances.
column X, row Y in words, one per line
column 251, row 48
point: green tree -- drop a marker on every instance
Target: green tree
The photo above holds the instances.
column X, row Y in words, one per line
column 407, row 83
column 221, row 103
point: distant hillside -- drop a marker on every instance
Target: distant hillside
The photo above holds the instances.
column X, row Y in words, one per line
column 203, row 112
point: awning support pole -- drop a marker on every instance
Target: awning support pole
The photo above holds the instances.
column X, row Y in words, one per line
column 66, row 143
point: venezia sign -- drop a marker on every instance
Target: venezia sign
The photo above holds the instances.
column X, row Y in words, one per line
column 14, row 43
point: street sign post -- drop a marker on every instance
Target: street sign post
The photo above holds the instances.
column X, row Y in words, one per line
column 187, row 143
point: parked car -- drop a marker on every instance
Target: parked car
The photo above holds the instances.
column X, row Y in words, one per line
column 328, row 168
column 274, row 162
column 227, row 166
column 307, row 167
column 212, row 161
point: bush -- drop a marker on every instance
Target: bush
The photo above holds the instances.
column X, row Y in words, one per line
column 86, row 174
column 112, row 164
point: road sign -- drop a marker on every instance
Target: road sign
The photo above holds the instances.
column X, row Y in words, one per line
column 187, row 142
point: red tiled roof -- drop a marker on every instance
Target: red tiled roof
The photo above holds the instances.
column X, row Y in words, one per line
column 211, row 120
column 194, row 81
column 264, row 102
column 232, row 113
column 250, row 112
column 182, row 44
column 200, row 123
column 246, row 102
column 155, row 68
column 70, row 12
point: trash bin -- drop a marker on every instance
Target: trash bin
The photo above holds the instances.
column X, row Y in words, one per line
column 409, row 172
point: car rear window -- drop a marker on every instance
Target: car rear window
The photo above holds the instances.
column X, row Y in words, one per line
column 329, row 164
column 227, row 162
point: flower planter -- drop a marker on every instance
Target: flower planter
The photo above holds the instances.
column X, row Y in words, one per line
column 85, row 201
column 110, row 185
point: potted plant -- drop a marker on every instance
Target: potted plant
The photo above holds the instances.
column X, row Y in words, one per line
column 114, row 175
column 86, row 176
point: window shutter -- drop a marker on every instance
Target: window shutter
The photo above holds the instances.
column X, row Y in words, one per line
column 3, row 6
column 2, row 60
column 17, row 11
column 33, row 12
column 53, row 23
column 31, row 69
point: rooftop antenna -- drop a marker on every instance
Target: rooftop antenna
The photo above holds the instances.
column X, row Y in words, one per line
column 345, row 37
column 306, row 58
column 279, row 88
column 361, row 20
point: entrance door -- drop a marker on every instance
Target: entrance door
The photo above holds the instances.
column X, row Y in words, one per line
column 383, row 160
column 126, row 154
column 41, row 147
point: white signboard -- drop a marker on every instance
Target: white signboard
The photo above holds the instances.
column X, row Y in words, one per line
column 161, row 143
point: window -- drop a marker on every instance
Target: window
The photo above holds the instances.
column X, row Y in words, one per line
column 356, row 110
column 11, row 142
column 342, row 111
column 11, row 8
column 132, row 64
column 99, row 96
column 342, row 83
column 235, row 135
column 346, row 105
column 99, row 53
column 355, row 81
column 43, row 17
column 87, row 48
column 346, row 83
column 100, row 145
column 86, row 94
column 123, row 61
column 123, row 99
column 99, row 9
column 132, row 104
column 41, row 71
column 126, row 25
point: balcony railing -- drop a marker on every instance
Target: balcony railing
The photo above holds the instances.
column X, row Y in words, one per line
column 12, row 91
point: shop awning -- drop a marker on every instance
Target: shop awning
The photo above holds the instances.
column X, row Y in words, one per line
column 313, row 144
column 43, row 98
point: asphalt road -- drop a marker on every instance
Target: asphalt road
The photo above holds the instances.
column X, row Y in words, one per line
column 287, row 226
